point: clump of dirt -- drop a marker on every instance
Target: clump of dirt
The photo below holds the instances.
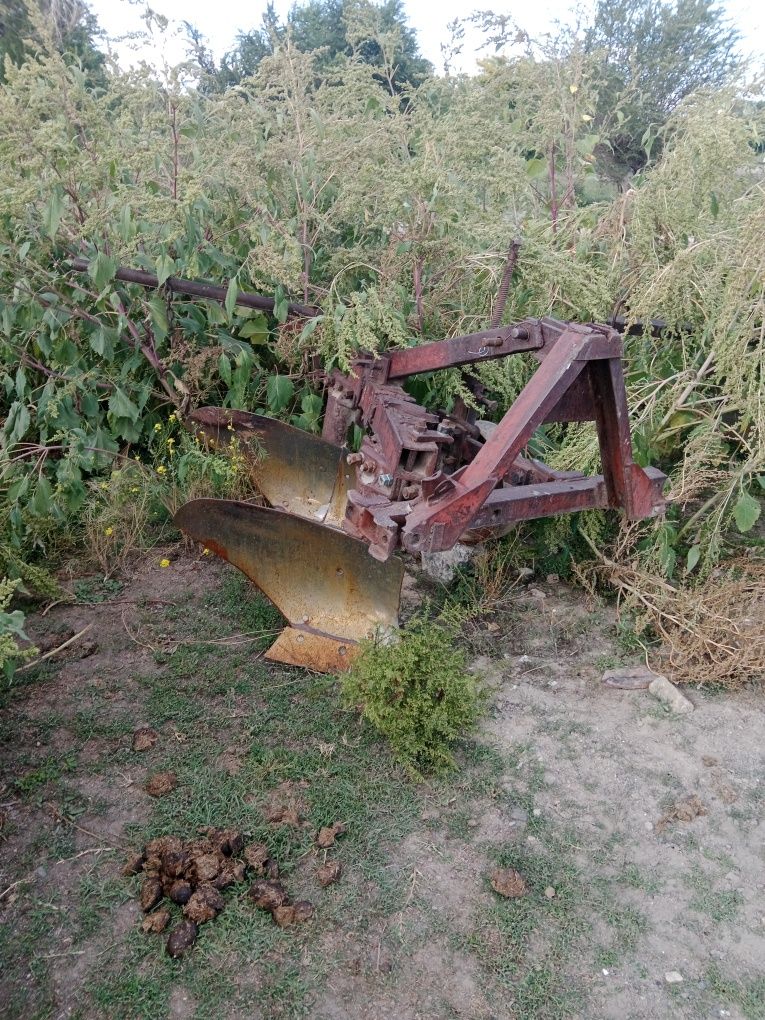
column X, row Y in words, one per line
column 508, row 882
column 193, row 874
column 161, row 783
column 683, row 811
column 273, row 897
column 326, row 836
column 144, row 738
column 329, row 873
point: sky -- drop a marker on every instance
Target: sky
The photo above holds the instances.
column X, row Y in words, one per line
column 220, row 20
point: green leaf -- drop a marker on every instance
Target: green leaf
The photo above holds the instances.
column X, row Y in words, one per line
column 255, row 329
column 746, row 512
column 224, row 369
column 281, row 308
column 279, row 390
column 231, row 295
column 41, row 501
column 53, row 212
column 121, row 406
column 101, row 270
column 164, row 266
column 102, row 342
column 17, row 423
column 714, row 205
column 694, row 555
column 158, row 316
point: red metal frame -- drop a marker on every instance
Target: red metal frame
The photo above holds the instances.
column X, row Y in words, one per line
column 424, row 479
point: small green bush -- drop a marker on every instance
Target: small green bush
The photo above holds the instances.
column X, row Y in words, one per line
column 418, row 692
column 11, row 631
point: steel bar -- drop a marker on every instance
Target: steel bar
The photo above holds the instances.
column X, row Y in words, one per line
column 196, row 288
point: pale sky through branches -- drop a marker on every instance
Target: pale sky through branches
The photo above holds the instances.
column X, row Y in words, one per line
column 220, row 20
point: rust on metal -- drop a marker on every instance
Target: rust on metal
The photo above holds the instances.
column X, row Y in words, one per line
column 294, row 470
column 317, row 576
column 300, row 646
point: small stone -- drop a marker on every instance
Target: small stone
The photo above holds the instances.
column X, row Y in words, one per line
column 550, row 892
column 442, row 566
column 670, row 696
column 673, row 977
column 536, row 812
column 709, row 760
column 552, row 579
column 473, row 823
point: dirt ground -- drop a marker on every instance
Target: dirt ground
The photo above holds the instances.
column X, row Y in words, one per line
column 572, row 783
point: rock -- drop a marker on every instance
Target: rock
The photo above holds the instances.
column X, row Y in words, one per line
column 442, row 566
column 144, row 738
column 161, row 783
column 508, row 882
column 550, row 893
column 709, row 761
column 670, row 696
column 629, row 678
column 182, row 938
column 673, row 977
column 329, row 873
column 552, row 579
column 156, row 922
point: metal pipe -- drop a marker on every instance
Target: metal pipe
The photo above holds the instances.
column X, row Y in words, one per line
column 196, row 288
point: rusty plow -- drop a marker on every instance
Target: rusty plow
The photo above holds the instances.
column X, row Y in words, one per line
column 327, row 549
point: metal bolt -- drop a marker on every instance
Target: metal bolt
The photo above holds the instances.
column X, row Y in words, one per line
column 519, row 333
column 386, row 480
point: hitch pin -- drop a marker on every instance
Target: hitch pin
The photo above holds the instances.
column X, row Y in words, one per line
column 484, row 350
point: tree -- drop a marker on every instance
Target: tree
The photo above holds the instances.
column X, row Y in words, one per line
column 68, row 26
column 376, row 34
column 655, row 53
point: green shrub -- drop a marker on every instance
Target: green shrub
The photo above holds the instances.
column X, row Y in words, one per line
column 418, row 692
column 11, row 631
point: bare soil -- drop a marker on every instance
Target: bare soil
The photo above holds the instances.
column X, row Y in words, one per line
column 566, row 781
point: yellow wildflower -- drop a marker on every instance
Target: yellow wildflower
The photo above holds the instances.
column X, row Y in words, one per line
column 164, row 563
column 135, row 489
column 158, row 427
column 573, row 89
column 108, row 532
column 103, row 485
column 171, row 441
column 161, row 470
column 205, row 552
column 173, row 417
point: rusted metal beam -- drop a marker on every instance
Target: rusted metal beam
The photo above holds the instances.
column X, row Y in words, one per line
column 197, row 288
column 474, row 348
